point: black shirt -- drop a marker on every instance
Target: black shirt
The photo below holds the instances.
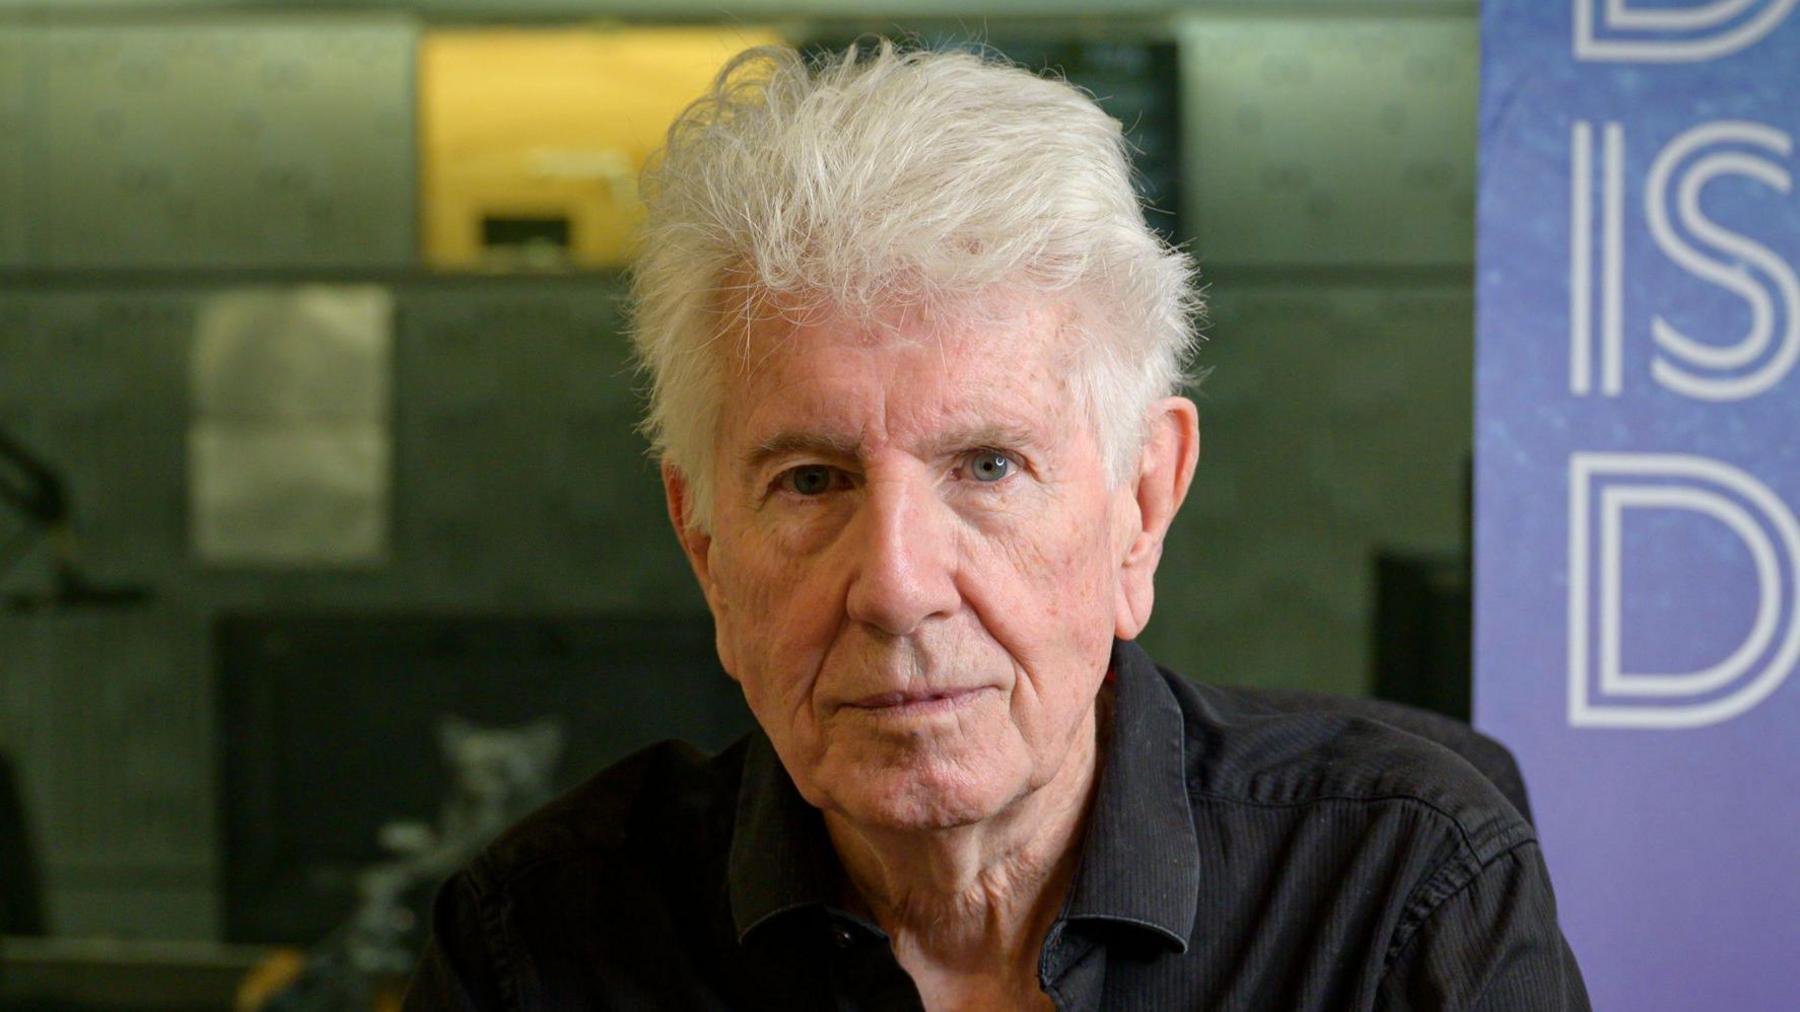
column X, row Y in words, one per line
column 1236, row 857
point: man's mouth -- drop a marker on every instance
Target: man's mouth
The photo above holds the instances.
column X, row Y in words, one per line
column 924, row 701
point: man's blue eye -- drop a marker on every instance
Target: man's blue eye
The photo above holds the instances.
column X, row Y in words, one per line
column 990, row 466
column 814, row 479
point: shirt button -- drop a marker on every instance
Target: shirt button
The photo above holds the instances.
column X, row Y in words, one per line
column 841, row 936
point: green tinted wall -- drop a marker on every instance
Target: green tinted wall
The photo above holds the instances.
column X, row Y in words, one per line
column 1327, row 167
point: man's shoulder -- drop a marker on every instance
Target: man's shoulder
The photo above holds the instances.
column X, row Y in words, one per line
column 670, row 793
column 1266, row 750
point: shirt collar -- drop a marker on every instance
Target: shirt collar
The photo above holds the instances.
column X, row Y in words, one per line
column 781, row 858
column 1140, row 863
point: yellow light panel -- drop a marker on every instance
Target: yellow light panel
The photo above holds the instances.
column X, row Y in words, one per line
column 552, row 123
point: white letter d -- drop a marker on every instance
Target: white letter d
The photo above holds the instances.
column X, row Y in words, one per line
column 1602, row 486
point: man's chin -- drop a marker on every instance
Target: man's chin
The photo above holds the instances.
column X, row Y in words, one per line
column 918, row 803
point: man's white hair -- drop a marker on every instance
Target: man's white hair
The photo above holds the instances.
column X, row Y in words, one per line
column 884, row 176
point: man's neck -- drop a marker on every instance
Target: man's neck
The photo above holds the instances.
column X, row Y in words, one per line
column 967, row 908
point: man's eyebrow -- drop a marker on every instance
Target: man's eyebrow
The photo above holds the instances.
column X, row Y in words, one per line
column 786, row 444
column 1000, row 436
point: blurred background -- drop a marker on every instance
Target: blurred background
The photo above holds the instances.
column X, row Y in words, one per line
column 316, row 421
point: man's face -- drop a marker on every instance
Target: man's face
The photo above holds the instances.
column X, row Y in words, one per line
column 914, row 556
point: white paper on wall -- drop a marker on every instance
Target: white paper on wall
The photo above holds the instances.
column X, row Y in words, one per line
column 289, row 441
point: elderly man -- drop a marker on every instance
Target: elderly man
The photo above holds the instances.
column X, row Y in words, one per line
column 914, row 356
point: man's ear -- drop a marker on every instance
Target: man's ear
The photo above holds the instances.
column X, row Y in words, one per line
column 1165, row 470
column 696, row 544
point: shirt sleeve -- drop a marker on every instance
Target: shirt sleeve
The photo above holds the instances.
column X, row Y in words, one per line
column 455, row 973
column 1491, row 945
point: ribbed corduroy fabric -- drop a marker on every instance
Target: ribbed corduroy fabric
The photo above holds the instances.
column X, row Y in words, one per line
column 1238, row 856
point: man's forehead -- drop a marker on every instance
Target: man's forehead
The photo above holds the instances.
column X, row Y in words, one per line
column 850, row 416
column 756, row 323
column 813, row 378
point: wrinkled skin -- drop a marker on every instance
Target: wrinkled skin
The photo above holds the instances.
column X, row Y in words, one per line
column 917, row 562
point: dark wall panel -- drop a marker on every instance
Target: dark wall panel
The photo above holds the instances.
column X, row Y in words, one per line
column 242, row 143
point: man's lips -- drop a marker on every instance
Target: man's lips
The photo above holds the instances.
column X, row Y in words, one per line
column 922, row 699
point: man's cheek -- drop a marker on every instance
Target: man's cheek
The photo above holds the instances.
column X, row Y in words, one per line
column 762, row 590
column 768, row 626
column 1058, row 566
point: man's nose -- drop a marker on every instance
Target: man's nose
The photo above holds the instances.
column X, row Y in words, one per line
column 902, row 556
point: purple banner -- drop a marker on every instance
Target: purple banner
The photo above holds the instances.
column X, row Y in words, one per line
column 1638, row 479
